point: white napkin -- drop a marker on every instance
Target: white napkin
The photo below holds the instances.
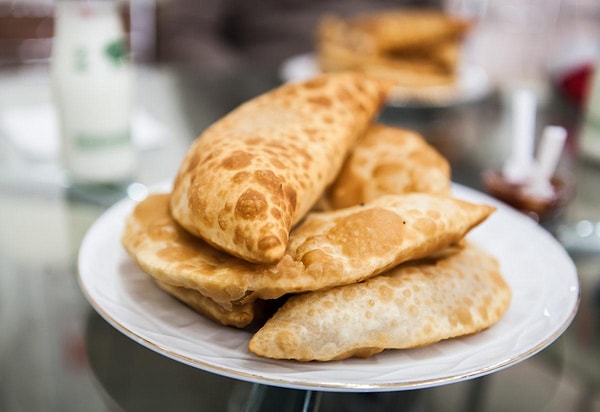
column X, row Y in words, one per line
column 34, row 131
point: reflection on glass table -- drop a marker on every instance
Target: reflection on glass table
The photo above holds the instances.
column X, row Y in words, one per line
column 135, row 378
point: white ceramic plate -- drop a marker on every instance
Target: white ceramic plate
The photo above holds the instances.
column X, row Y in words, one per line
column 542, row 277
column 473, row 84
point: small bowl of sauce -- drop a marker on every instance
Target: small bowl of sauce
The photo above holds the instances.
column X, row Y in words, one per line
column 545, row 210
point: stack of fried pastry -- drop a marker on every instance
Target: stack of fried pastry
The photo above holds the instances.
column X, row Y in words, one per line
column 416, row 49
column 298, row 201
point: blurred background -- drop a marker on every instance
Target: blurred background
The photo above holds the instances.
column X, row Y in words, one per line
column 512, row 38
column 196, row 60
column 200, row 34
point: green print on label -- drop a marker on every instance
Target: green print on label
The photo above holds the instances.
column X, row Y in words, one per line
column 115, row 51
column 90, row 141
column 80, row 59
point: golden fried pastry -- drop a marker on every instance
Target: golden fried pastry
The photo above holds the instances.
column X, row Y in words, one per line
column 352, row 244
column 327, row 249
column 238, row 316
column 413, row 48
column 409, row 306
column 169, row 253
column 389, row 160
column 338, row 49
column 256, row 172
column 409, row 71
column 400, row 30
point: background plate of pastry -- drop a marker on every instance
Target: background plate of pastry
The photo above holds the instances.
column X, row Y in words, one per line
column 472, row 84
column 545, row 296
column 420, row 51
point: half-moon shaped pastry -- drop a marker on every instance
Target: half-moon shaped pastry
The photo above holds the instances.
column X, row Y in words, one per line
column 411, row 305
column 238, row 316
column 389, row 160
column 327, row 249
column 256, row 172
column 403, row 30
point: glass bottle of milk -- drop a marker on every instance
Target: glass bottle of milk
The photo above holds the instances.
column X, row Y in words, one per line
column 92, row 82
